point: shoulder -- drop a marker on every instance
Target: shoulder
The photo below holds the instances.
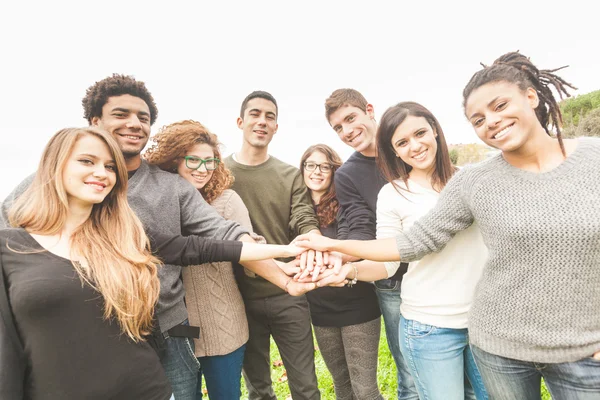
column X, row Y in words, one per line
column 282, row 165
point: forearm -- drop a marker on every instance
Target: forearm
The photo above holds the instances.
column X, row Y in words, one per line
column 376, row 250
column 368, row 271
column 269, row 271
column 255, row 251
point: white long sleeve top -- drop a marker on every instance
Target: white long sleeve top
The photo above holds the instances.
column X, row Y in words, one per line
column 438, row 289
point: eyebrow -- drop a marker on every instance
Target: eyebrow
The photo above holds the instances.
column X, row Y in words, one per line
column 95, row 157
column 489, row 104
column 126, row 110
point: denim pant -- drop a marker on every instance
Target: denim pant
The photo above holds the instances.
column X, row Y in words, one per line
column 223, row 375
column 441, row 362
column 507, row 379
column 388, row 294
column 181, row 367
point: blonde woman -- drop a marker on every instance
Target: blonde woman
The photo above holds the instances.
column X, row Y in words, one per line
column 78, row 282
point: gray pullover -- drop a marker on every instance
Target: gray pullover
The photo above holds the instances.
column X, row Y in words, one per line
column 539, row 296
column 168, row 204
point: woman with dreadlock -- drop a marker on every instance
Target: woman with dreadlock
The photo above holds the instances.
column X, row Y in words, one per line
column 535, row 310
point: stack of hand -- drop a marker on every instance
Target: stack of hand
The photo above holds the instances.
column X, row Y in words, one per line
column 314, row 264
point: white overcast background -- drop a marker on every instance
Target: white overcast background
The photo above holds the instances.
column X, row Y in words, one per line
column 200, row 59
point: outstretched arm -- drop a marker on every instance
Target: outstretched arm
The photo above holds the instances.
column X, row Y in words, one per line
column 376, row 250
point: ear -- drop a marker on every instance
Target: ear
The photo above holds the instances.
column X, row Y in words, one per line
column 532, row 97
column 370, row 111
column 240, row 123
column 95, row 121
column 276, row 127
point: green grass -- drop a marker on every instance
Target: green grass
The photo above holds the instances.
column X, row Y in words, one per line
column 386, row 374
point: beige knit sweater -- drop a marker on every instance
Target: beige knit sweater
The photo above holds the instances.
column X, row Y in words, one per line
column 212, row 296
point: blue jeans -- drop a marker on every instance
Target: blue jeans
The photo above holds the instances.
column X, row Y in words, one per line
column 181, row 367
column 441, row 362
column 388, row 294
column 223, row 375
column 506, row 378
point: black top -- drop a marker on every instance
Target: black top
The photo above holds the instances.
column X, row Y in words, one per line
column 342, row 306
column 54, row 341
column 357, row 184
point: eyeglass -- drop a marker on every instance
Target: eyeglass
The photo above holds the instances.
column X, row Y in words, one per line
column 324, row 168
column 194, row 163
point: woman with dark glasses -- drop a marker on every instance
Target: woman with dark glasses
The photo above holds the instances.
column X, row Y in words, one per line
column 212, row 296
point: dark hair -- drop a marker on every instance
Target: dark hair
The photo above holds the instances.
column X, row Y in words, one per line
column 328, row 206
column 391, row 166
column 261, row 94
column 344, row 97
column 516, row 68
column 98, row 94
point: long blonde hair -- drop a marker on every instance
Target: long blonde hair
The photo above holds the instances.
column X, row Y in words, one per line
column 112, row 240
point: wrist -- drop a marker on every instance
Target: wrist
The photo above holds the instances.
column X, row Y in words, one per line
column 287, row 284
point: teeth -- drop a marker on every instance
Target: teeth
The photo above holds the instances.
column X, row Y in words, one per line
column 132, row 137
column 420, row 156
column 503, row 132
column 96, row 186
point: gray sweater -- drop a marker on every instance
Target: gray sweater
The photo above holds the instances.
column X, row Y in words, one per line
column 166, row 203
column 539, row 296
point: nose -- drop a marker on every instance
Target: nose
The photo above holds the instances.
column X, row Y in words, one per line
column 202, row 168
column 492, row 119
column 347, row 129
column 134, row 122
column 415, row 146
column 100, row 171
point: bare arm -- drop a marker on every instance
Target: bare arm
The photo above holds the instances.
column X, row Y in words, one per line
column 376, row 250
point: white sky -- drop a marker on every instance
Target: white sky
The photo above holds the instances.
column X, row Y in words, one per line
column 200, row 59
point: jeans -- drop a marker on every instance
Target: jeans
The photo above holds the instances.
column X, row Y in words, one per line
column 507, row 379
column 181, row 367
column 223, row 375
column 388, row 294
column 441, row 362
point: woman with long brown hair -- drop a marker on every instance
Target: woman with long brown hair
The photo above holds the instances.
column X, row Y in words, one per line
column 78, row 283
column 346, row 320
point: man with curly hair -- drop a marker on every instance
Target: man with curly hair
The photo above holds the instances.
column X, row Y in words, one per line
column 280, row 207
column 166, row 203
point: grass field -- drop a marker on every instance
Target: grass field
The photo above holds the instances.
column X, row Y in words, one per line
column 386, row 374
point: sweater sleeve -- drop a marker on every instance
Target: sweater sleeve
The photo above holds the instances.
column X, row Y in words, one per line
column 359, row 217
column 302, row 215
column 12, row 360
column 10, row 199
column 389, row 222
column 193, row 250
column 199, row 218
column 342, row 225
column 450, row 216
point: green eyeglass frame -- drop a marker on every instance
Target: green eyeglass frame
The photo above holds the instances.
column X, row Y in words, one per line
column 193, row 162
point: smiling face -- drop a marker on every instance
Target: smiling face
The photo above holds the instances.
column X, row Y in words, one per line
column 197, row 177
column 356, row 128
column 414, row 142
column 90, row 172
column 317, row 181
column 503, row 115
column 259, row 123
column 127, row 119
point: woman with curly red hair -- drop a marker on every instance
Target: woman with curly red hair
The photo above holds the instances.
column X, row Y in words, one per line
column 212, row 297
column 346, row 320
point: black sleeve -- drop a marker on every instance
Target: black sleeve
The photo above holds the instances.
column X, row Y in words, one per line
column 12, row 360
column 193, row 250
column 342, row 225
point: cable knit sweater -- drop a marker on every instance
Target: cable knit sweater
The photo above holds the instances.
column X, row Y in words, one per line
column 539, row 296
column 212, row 296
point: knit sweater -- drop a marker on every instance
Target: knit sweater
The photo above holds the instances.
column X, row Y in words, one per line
column 539, row 295
column 438, row 289
column 280, row 209
column 167, row 203
column 212, row 296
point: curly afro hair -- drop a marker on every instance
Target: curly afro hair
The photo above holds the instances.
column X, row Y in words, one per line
column 98, row 94
column 173, row 141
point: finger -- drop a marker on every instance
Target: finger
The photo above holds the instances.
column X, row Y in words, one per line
column 304, row 274
column 329, row 280
column 597, row 355
column 338, row 265
column 310, row 259
column 325, row 258
column 319, row 258
column 303, row 260
column 315, row 273
column 301, row 288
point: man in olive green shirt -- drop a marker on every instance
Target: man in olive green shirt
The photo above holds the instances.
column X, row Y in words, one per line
column 280, row 208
